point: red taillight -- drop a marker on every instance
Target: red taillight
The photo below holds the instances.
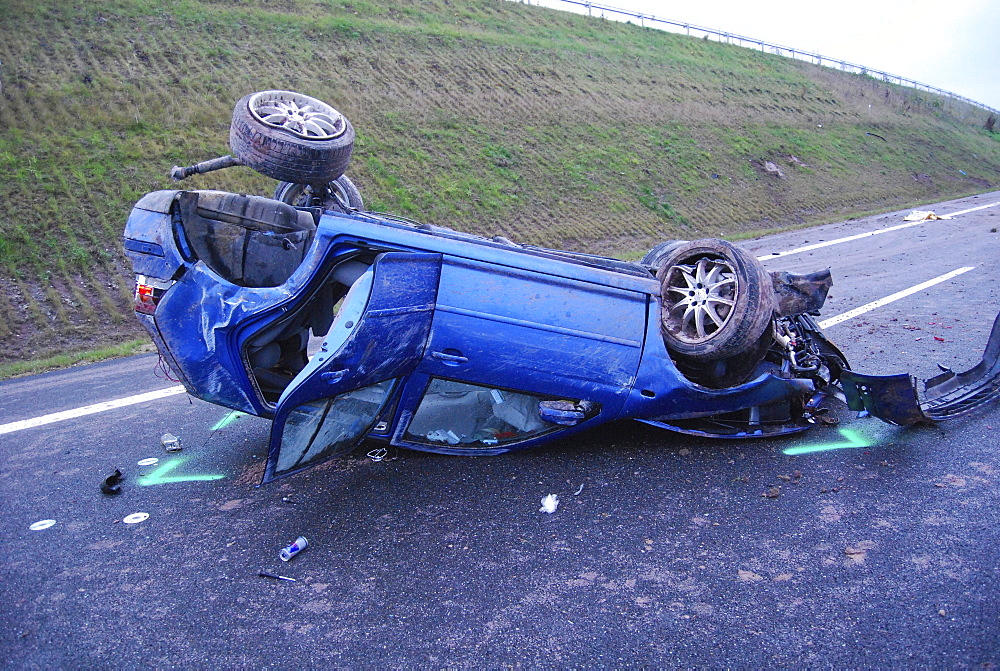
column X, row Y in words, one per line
column 146, row 297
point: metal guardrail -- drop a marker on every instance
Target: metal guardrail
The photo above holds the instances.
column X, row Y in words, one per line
column 766, row 47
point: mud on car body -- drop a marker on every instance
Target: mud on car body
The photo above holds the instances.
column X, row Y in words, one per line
column 342, row 324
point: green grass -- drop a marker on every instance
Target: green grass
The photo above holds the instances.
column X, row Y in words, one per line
column 58, row 361
column 489, row 116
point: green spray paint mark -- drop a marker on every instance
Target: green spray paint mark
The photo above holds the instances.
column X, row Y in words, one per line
column 160, row 477
column 228, row 419
column 853, row 440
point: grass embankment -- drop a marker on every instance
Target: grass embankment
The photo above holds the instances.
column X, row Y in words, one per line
column 484, row 115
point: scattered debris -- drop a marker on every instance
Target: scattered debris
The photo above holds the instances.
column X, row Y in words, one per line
column 878, row 136
column 378, row 454
column 577, row 492
column 549, row 504
column 170, row 442
column 152, row 461
column 749, row 576
column 856, row 555
column 275, row 576
column 942, row 613
column 772, row 493
column 920, row 215
column 290, row 551
column 41, row 525
column 135, row 518
column 112, row 484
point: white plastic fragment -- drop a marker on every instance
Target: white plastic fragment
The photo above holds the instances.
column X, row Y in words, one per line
column 171, row 443
column 135, row 518
column 41, row 525
column 151, row 461
column 549, row 504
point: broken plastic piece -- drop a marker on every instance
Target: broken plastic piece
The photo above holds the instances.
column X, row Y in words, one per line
column 170, row 442
column 112, row 484
column 893, row 398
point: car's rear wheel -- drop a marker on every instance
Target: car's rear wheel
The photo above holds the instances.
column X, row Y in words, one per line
column 291, row 137
column 341, row 195
column 716, row 301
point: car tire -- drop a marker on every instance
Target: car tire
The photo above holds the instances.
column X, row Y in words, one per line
column 291, row 137
column 654, row 257
column 716, row 300
column 342, row 195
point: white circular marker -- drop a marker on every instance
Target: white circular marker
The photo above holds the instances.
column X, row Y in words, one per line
column 42, row 524
column 135, row 518
column 152, row 461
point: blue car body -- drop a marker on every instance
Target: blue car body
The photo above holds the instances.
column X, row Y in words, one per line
column 441, row 341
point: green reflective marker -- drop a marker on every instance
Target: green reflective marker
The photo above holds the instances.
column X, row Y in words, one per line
column 160, row 477
column 853, row 440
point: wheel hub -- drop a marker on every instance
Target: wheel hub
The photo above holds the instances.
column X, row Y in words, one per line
column 298, row 114
column 699, row 297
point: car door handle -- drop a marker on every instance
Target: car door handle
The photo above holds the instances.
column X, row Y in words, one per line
column 334, row 376
column 450, row 359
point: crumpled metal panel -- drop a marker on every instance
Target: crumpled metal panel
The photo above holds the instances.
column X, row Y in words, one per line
column 800, row 294
column 891, row 398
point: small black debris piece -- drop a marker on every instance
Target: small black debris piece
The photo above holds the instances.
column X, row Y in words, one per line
column 112, row 484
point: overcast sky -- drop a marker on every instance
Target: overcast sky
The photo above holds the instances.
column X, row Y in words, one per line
column 951, row 44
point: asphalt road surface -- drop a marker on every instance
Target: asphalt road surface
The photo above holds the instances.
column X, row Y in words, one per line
column 879, row 550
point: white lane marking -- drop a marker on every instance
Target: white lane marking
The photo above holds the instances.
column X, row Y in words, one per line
column 972, row 209
column 89, row 409
column 868, row 307
column 860, row 236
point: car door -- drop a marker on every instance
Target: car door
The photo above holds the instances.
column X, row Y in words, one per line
column 377, row 339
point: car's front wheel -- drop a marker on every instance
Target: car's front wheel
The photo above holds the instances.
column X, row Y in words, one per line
column 716, row 301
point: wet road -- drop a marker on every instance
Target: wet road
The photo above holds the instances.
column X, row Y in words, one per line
column 879, row 549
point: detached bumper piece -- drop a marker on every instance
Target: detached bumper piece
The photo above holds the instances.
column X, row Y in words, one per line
column 893, row 398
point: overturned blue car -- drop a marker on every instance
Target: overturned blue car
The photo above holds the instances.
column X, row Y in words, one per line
column 344, row 325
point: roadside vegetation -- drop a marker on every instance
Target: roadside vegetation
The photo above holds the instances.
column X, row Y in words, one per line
column 483, row 115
